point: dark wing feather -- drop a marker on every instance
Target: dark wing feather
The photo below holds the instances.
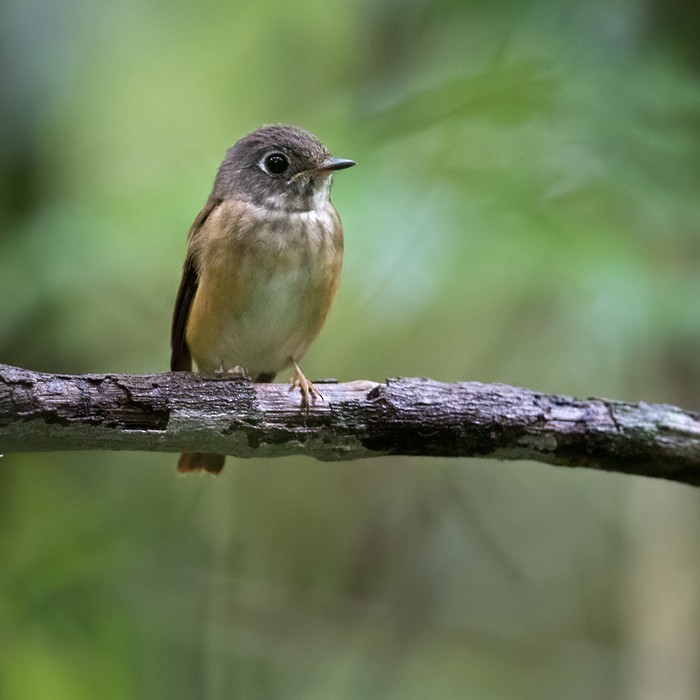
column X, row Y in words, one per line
column 180, row 359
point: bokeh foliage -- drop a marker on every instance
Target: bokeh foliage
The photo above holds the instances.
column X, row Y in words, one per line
column 526, row 210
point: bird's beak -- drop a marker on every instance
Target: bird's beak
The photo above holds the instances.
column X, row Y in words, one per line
column 332, row 164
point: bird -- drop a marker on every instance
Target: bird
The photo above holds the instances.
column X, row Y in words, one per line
column 262, row 267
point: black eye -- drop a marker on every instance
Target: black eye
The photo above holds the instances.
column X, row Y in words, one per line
column 276, row 163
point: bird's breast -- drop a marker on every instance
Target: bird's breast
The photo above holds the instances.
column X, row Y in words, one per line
column 266, row 282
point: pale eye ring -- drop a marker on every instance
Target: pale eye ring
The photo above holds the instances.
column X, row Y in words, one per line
column 275, row 163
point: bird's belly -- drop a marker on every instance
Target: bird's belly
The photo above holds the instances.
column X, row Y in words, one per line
column 278, row 325
column 263, row 309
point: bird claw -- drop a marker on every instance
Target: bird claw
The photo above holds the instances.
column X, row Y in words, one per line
column 309, row 393
column 236, row 372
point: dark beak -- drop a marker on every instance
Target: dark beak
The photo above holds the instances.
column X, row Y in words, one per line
column 333, row 164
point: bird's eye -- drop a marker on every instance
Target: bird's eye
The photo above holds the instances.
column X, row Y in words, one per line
column 276, row 163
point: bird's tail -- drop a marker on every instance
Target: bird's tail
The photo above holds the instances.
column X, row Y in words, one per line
column 200, row 461
column 207, row 462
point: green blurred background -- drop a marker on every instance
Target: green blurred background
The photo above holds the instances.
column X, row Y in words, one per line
column 526, row 210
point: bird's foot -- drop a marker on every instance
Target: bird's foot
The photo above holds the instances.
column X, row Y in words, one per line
column 309, row 393
column 236, row 372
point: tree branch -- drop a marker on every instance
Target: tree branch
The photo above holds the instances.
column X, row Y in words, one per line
column 171, row 412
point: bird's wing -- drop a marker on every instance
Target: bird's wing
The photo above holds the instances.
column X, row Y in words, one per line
column 180, row 359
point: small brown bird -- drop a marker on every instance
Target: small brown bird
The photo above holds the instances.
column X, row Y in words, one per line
column 262, row 267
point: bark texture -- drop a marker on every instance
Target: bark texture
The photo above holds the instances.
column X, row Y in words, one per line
column 172, row 412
